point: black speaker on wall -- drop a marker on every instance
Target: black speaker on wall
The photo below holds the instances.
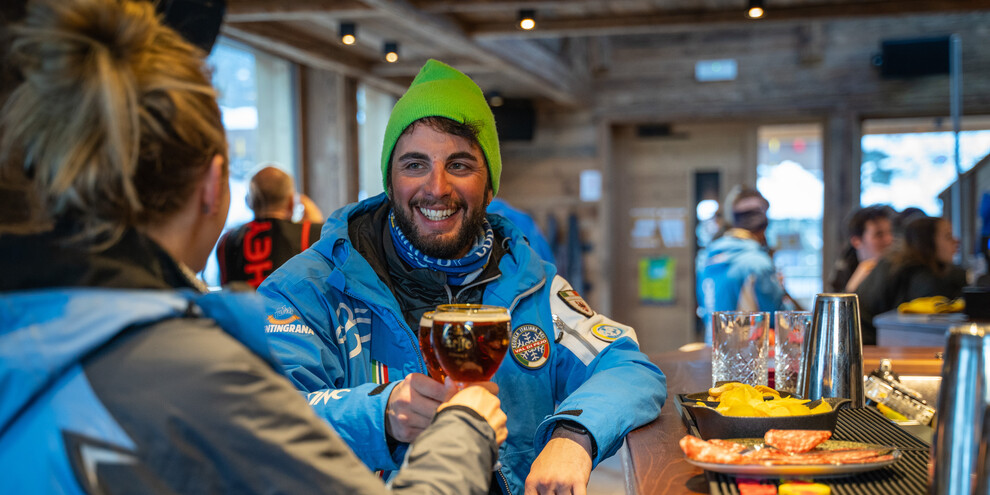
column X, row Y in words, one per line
column 198, row 21
column 913, row 57
column 515, row 119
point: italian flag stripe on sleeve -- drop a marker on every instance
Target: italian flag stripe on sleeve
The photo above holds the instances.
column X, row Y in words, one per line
column 379, row 371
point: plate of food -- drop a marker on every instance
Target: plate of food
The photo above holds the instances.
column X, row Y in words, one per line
column 786, row 454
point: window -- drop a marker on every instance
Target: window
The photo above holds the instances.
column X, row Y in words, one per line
column 908, row 162
column 257, row 102
column 789, row 175
column 374, row 109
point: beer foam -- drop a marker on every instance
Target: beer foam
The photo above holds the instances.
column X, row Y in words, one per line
column 479, row 317
column 427, row 316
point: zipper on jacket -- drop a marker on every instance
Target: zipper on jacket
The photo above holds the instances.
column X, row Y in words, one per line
column 529, row 292
column 505, row 483
column 409, row 333
column 473, row 284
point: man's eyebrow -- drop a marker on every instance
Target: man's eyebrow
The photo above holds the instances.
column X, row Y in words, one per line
column 413, row 155
column 461, row 155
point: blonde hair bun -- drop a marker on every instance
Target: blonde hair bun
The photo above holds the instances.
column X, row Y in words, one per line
column 115, row 118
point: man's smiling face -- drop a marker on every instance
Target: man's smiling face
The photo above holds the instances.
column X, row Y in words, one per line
column 439, row 190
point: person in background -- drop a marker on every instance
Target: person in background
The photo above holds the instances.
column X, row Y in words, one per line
column 254, row 250
column 527, row 225
column 984, row 247
column 983, row 280
column 921, row 267
column 870, row 237
column 121, row 375
column 735, row 271
column 903, row 218
column 573, row 381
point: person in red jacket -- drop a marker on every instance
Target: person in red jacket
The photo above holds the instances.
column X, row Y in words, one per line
column 254, row 250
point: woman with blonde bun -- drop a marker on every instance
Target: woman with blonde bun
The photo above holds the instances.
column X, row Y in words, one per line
column 118, row 371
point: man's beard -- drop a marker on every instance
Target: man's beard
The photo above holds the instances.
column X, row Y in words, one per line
column 433, row 245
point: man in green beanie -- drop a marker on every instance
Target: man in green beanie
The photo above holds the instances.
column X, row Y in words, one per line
column 344, row 315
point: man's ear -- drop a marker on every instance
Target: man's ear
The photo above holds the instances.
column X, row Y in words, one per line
column 211, row 188
column 291, row 204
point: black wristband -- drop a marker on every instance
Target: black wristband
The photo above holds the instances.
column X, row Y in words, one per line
column 575, row 427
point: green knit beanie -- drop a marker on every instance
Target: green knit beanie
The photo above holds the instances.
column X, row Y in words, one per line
column 440, row 90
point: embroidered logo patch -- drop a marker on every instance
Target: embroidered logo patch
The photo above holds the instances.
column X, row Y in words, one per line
column 576, row 302
column 608, row 333
column 282, row 321
column 530, row 346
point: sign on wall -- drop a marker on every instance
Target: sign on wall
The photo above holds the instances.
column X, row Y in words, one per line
column 657, row 227
column 656, row 279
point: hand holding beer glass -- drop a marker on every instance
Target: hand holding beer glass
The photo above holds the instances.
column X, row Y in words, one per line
column 470, row 340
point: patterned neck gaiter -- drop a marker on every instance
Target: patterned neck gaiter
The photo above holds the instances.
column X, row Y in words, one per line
column 460, row 271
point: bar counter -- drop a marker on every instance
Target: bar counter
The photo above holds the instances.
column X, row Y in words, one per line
column 653, row 461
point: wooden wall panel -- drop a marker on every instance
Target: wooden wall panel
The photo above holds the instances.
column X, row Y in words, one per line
column 653, row 77
column 328, row 109
column 659, row 173
column 542, row 177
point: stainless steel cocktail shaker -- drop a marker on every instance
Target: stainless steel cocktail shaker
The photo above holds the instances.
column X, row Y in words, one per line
column 832, row 355
column 959, row 437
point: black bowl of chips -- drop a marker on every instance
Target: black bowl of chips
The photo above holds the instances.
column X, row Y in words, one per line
column 714, row 424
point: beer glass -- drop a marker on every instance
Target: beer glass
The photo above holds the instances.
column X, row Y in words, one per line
column 426, row 347
column 740, row 345
column 470, row 340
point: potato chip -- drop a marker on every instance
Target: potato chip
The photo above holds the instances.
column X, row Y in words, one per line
column 741, row 410
column 767, row 391
column 739, row 399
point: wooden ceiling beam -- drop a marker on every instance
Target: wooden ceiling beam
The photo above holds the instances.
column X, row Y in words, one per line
column 481, row 6
column 296, row 10
column 672, row 21
column 553, row 79
column 290, row 44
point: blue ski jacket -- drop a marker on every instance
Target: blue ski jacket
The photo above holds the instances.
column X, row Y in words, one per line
column 734, row 273
column 339, row 332
column 46, row 334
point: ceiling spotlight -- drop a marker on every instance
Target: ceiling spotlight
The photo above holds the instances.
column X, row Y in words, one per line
column 348, row 33
column 495, row 99
column 391, row 51
column 755, row 9
column 527, row 19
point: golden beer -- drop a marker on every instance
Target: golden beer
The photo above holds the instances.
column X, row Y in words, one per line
column 426, row 347
column 469, row 341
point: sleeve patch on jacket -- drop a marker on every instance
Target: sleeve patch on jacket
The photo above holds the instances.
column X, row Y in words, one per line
column 607, row 333
column 575, row 302
column 530, row 346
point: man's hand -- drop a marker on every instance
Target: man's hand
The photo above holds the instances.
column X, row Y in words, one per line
column 412, row 405
column 564, row 466
column 310, row 210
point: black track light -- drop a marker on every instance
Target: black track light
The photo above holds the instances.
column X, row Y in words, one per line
column 391, row 51
column 348, row 33
column 755, row 10
column 527, row 19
